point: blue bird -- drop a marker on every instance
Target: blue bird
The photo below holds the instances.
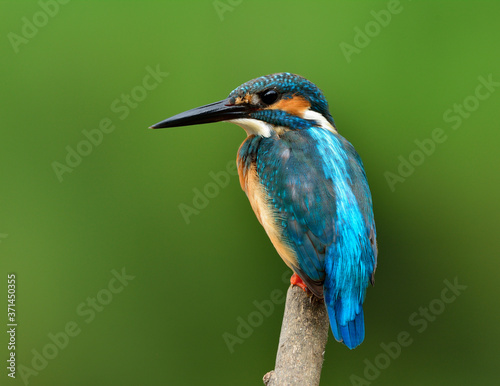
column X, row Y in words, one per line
column 307, row 187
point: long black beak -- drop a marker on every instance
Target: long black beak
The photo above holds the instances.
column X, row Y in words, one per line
column 214, row 112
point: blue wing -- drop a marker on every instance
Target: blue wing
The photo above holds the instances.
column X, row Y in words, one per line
column 317, row 189
column 351, row 259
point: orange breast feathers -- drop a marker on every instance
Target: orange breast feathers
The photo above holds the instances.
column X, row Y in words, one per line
column 267, row 215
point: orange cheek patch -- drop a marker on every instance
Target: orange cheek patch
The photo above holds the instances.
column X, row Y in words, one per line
column 296, row 105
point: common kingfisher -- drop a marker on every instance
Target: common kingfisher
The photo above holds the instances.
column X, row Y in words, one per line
column 307, row 187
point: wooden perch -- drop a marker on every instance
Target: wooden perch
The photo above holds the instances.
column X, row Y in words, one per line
column 304, row 333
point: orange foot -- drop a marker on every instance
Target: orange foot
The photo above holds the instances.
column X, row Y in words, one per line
column 296, row 280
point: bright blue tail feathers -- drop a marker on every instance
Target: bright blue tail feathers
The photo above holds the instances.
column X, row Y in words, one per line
column 352, row 333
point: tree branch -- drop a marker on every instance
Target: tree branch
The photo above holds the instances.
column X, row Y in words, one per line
column 304, row 333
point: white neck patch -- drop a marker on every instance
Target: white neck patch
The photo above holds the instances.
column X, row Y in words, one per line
column 315, row 116
column 254, row 126
column 264, row 129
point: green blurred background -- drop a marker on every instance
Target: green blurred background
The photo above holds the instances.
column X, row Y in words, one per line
column 120, row 206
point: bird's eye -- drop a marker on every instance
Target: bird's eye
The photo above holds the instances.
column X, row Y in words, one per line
column 269, row 97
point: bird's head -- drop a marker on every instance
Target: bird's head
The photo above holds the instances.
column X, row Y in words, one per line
column 264, row 106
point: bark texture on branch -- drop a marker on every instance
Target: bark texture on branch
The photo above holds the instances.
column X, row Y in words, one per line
column 304, row 333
